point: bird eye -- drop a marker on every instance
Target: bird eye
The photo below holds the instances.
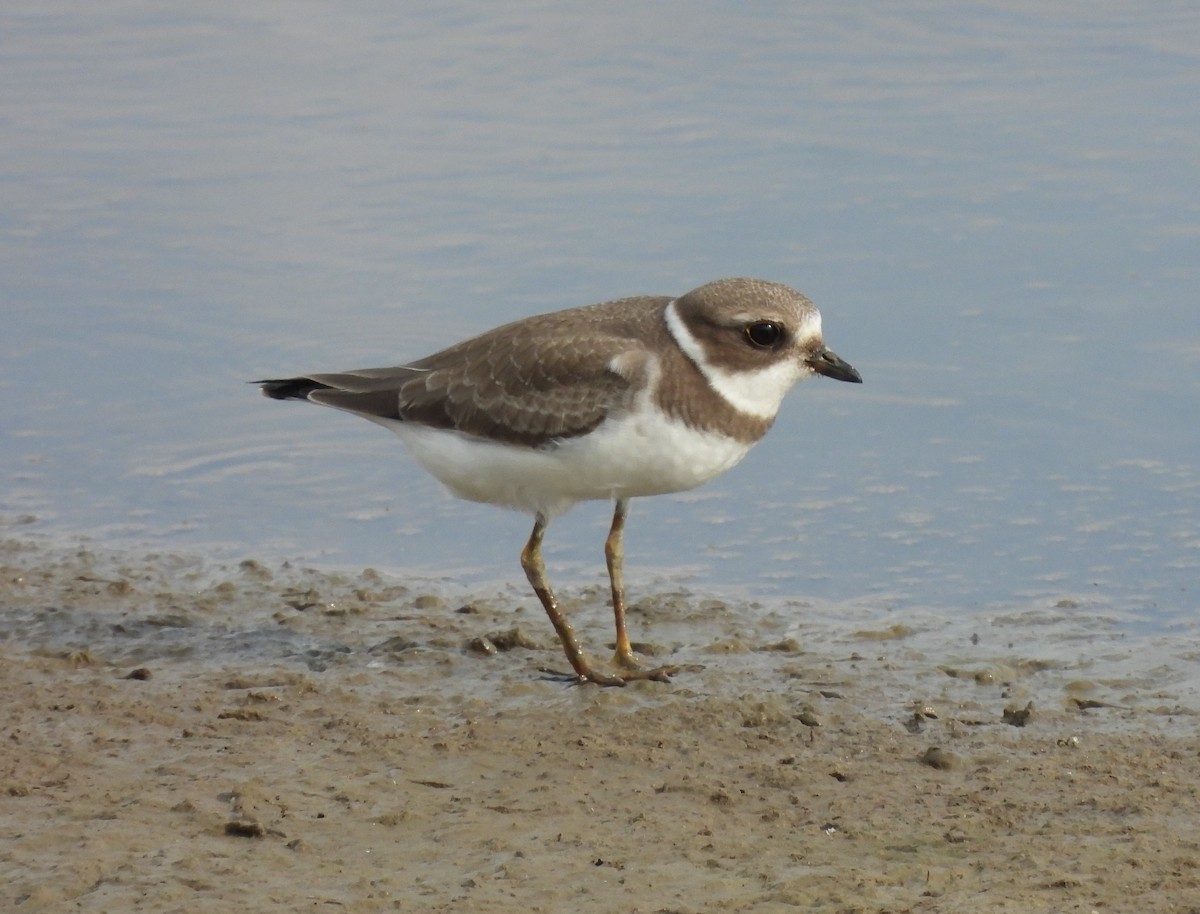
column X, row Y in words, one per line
column 763, row 334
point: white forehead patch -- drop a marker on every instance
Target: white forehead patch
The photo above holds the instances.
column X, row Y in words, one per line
column 811, row 328
column 756, row 393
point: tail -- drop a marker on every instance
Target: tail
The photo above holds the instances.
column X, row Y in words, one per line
column 290, row 388
column 371, row 393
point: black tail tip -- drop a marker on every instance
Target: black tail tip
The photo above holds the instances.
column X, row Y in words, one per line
column 289, row 388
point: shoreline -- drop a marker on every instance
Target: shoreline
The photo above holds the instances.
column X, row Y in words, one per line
column 279, row 739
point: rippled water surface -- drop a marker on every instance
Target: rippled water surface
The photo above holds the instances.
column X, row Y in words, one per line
column 994, row 204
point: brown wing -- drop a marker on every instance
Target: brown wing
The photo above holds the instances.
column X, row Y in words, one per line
column 531, row 382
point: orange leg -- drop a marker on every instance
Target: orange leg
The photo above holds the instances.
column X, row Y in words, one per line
column 535, row 570
column 614, row 555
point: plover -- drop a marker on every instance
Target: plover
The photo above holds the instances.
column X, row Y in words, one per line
column 639, row 396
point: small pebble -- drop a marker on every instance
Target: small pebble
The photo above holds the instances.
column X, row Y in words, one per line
column 941, row 759
column 808, row 718
column 483, row 646
column 1018, row 717
column 244, row 829
column 428, row 601
column 512, row 638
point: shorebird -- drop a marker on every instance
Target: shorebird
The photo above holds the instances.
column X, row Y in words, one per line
column 639, row 396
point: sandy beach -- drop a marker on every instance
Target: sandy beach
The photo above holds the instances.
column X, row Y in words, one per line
column 180, row 735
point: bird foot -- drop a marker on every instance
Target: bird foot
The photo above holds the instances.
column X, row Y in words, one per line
column 627, row 660
column 658, row 674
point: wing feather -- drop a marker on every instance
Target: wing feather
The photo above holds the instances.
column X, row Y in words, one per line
column 531, row 383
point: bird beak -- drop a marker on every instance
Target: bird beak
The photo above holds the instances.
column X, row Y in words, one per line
column 833, row 366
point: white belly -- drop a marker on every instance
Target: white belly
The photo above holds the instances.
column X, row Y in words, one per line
column 644, row 453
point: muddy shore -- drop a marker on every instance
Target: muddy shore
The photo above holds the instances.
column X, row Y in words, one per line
column 180, row 735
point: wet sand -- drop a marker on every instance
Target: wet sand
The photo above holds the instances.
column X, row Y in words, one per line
column 180, row 735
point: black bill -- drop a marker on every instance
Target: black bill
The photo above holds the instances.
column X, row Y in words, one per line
column 832, row 365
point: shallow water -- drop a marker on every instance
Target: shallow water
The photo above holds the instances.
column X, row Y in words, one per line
column 993, row 205
column 172, row 613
